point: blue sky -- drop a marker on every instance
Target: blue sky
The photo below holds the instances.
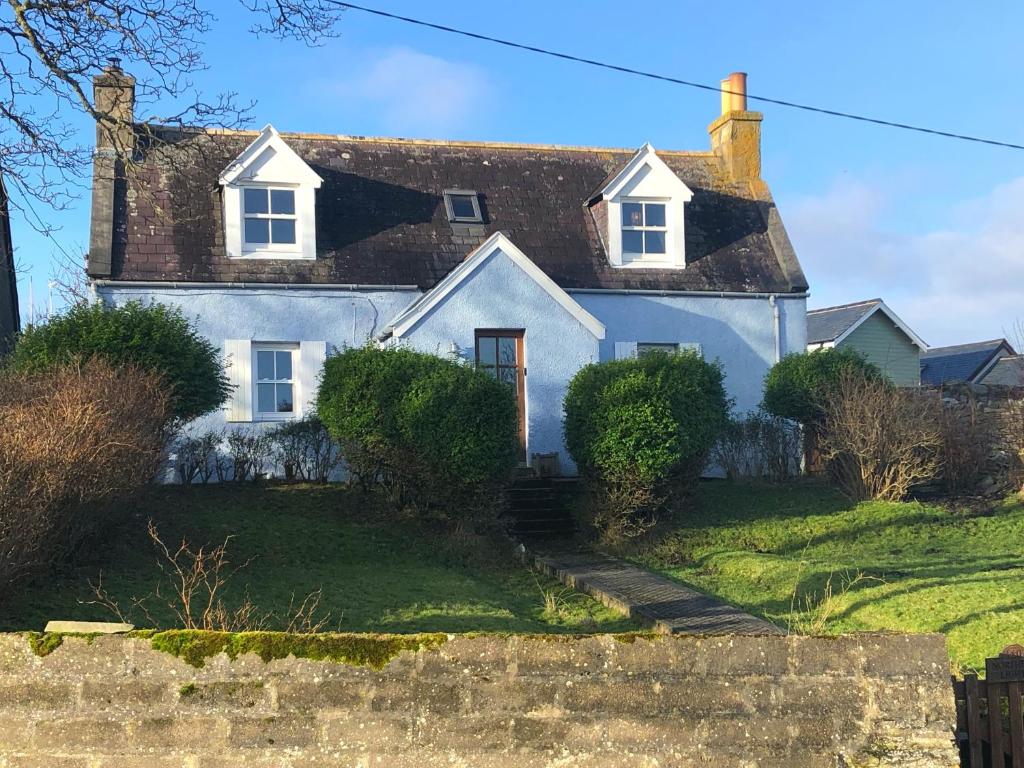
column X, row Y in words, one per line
column 934, row 226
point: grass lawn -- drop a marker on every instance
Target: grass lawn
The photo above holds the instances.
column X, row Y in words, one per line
column 910, row 566
column 377, row 572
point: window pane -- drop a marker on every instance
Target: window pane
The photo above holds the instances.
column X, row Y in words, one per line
column 284, row 365
column 632, row 241
column 265, row 398
column 284, row 398
column 646, row 349
column 655, row 215
column 487, row 350
column 264, row 365
column 508, row 376
column 632, row 215
column 257, row 231
column 462, row 206
column 282, row 201
column 282, row 230
column 255, row 200
column 490, row 370
column 506, row 351
column 654, row 242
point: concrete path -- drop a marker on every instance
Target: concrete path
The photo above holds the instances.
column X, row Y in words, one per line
column 641, row 594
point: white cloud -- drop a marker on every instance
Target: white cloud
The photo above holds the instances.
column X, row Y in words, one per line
column 960, row 282
column 417, row 94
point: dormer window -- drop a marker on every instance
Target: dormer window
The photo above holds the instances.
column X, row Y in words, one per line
column 462, row 206
column 270, row 220
column 643, row 208
column 269, row 196
column 643, row 229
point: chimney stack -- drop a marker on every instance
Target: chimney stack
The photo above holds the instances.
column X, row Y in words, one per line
column 113, row 94
column 736, row 134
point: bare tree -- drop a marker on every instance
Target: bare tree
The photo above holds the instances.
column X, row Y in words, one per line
column 50, row 51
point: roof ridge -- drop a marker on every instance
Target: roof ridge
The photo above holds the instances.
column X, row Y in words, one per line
column 845, row 306
column 430, row 142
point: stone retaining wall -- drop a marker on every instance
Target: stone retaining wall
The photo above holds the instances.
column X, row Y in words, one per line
column 1003, row 409
column 482, row 702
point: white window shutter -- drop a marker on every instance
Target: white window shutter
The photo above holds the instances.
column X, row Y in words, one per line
column 625, row 350
column 312, row 355
column 238, row 360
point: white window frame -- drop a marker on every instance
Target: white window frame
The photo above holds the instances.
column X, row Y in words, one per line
column 476, row 218
column 632, row 256
column 257, row 414
column 265, row 248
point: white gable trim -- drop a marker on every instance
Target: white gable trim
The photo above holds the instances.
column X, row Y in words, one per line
column 297, row 171
column 881, row 307
column 496, row 242
column 645, row 156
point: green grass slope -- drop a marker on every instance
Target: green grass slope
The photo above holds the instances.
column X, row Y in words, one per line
column 377, row 571
column 807, row 558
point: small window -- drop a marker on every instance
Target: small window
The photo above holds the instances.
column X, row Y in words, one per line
column 269, row 218
column 643, row 228
column 275, row 383
column 462, row 205
column 649, row 347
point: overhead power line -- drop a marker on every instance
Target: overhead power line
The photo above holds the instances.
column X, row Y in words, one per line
column 674, row 80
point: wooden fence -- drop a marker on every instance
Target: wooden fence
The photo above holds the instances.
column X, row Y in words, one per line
column 990, row 719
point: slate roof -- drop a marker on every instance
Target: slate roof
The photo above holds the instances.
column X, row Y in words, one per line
column 829, row 323
column 381, row 218
column 1007, row 371
column 961, row 362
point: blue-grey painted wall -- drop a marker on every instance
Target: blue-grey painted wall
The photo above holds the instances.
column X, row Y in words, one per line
column 339, row 317
column 739, row 332
column 499, row 294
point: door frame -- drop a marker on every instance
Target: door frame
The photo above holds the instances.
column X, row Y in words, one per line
column 519, row 334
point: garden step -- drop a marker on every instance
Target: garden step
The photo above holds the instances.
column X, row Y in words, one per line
column 537, row 510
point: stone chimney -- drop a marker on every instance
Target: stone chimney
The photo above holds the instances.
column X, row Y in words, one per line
column 113, row 96
column 736, row 134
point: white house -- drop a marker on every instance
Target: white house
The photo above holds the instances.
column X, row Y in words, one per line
column 529, row 260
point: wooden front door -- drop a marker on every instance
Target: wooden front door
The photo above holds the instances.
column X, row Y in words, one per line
column 499, row 352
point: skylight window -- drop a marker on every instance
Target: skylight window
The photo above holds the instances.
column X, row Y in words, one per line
column 463, row 205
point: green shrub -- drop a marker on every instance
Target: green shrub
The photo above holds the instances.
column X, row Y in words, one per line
column 151, row 336
column 798, row 385
column 435, row 432
column 640, row 431
column 305, row 450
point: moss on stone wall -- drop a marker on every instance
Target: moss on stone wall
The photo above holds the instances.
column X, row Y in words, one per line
column 362, row 650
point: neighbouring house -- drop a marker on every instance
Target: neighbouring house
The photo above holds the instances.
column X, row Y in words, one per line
column 10, row 322
column 874, row 330
column 530, row 260
column 972, row 363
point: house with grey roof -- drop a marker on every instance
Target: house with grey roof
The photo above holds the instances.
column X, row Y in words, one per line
column 972, row 363
column 528, row 260
column 875, row 331
column 9, row 317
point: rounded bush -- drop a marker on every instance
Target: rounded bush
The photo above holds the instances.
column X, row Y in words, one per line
column 437, row 432
column 645, row 419
column 152, row 337
column 798, row 385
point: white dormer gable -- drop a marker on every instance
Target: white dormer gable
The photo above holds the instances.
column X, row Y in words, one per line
column 645, row 204
column 270, row 201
